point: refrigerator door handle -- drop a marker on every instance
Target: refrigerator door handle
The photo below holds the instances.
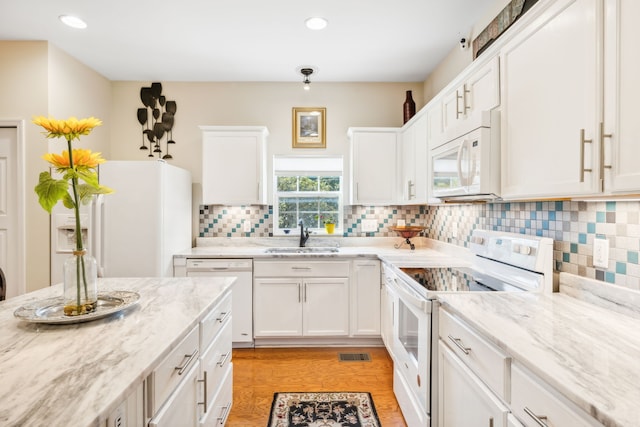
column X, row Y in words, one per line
column 98, row 233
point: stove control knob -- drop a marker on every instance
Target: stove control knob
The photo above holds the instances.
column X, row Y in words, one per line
column 515, row 248
column 477, row 240
column 525, row 250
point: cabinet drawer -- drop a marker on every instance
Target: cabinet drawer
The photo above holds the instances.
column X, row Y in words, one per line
column 486, row 360
column 180, row 409
column 531, row 398
column 216, row 360
column 301, row 268
column 211, row 324
column 166, row 377
column 218, row 412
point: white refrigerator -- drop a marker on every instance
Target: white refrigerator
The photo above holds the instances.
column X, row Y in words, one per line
column 135, row 231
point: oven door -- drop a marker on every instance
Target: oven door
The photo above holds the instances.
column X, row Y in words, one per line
column 412, row 345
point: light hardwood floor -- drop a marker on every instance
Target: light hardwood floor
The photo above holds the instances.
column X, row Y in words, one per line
column 258, row 373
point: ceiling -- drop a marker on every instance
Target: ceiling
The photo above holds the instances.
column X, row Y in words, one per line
column 249, row 40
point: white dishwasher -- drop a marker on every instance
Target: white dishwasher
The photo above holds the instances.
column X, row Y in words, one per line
column 241, row 294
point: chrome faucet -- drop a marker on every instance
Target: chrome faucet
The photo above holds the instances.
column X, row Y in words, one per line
column 304, row 236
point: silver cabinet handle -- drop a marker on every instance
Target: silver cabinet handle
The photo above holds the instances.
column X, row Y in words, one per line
column 300, row 268
column 204, row 380
column 224, row 359
column 582, row 142
column 299, row 293
column 224, row 413
column 465, row 91
column 458, row 98
column 190, row 358
column 304, row 293
column 223, row 316
column 457, row 342
column 537, row 418
column 410, row 185
column 603, row 135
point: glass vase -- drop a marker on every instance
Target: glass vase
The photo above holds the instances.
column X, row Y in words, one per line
column 80, row 284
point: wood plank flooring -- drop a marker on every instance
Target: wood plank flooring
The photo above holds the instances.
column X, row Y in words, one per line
column 258, row 373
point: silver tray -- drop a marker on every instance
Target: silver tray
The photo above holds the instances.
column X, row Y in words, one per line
column 51, row 310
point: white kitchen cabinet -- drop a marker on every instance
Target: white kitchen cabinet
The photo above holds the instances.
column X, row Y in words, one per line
column 413, row 165
column 435, row 131
column 374, row 165
column 534, row 403
column 193, row 372
column 234, row 165
column 559, row 138
column 365, row 298
column 621, row 90
column 463, row 399
column 475, row 91
column 131, row 411
column 301, row 298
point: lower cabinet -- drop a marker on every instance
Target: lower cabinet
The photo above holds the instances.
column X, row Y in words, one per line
column 365, row 297
column 192, row 386
column 464, row 400
column 296, row 307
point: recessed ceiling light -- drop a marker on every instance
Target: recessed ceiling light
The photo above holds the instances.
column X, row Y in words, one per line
column 73, row 21
column 316, row 23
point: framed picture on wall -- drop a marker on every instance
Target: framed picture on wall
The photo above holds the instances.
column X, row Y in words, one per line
column 309, row 124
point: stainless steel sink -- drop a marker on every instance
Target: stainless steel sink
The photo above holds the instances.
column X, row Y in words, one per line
column 305, row 250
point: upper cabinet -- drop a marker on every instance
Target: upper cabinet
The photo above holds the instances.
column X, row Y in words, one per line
column 373, row 153
column 413, row 167
column 559, row 138
column 234, row 170
column 463, row 103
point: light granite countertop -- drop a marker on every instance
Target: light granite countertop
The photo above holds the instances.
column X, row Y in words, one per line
column 78, row 374
column 590, row 354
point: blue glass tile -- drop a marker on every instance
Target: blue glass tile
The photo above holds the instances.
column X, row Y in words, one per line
column 611, row 206
column 621, row 267
column 507, row 206
column 582, row 238
column 574, row 248
column 538, row 206
column 545, row 224
column 601, row 217
column 591, row 227
column 527, row 223
column 632, row 257
column 566, row 256
column 552, row 216
column 533, row 215
column 609, row 277
column 539, row 233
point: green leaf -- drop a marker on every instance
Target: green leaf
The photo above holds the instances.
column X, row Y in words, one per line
column 68, row 202
column 86, row 191
column 89, row 176
column 50, row 191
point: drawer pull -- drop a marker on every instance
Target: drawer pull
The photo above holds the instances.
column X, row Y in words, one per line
column 457, row 342
column 190, row 358
column 224, row 359
column 300, row 268
column 224, row 413
column 537, row 418
column 204, row 380
column 223, row 316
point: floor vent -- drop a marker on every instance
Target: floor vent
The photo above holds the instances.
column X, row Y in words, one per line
column 354, row 357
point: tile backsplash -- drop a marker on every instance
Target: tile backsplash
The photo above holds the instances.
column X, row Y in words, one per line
column 572, row 225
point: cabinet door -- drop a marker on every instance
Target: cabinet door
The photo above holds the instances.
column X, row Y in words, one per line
column 233, row 167
column 549, row 96
column 413, row 167
column 435, row 135
column 622, row 89
column 373, row 167
column 464, row 400
column 365, row 298
column 278, row 308
column 326, row 307
column 180, row 409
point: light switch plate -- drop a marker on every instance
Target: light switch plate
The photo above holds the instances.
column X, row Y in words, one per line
column 369, row 225
column 601, row 253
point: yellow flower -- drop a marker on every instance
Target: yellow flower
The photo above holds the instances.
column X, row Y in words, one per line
column 71, row 128
column 81, row 157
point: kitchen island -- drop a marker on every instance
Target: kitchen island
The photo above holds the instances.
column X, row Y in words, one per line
column 79, row 374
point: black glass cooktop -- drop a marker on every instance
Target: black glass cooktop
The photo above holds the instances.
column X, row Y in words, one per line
column 457, row 279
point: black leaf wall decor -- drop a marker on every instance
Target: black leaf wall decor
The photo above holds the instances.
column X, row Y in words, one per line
column 156, row 118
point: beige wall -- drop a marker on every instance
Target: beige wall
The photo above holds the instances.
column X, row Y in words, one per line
column 36, row 79
column 458, row 59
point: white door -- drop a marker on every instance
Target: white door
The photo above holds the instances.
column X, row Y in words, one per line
column 550, row 95
column 11, row 209
column 278, row 312
column 325, row 307
column 622, row 89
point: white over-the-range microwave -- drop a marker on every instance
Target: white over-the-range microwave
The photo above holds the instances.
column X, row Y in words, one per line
column 467, row 168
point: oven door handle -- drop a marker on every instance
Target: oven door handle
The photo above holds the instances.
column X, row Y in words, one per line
column 409, row 296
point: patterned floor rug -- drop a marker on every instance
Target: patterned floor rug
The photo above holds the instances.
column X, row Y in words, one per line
column 333, row 409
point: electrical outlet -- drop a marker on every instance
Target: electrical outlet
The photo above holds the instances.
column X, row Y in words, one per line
column 601, row 253
column 246, row 226
column 369, row 225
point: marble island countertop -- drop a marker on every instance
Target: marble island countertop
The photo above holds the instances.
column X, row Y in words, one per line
column 78, row 374
column 588, row 353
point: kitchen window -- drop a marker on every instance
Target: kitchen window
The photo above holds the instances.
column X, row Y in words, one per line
column 307, row 189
